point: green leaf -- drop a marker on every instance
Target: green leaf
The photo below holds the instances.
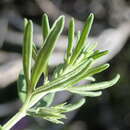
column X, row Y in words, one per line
column 45, row 26
column 46, row 101
column 86, row 72
column 97, row 86
column 74, row 106
column 1, row 128
column 65, row 83
column 25, row 23
column 53, row 120
column 83, row 74
column 87, row 52
column 97, row 69
column 66, row 79
column 91, row 79
column 48, row 113
column 62, row 82
column 55, row 113
column 90, row 48
column 99, row 54
column 45, row 33
column 57, row 72
column 34, row 51
column 46, row 51
column 70, row 37
column 83, row 37
column 27, row 50
column 22, row 87
column 78, row 36
column 87, row 94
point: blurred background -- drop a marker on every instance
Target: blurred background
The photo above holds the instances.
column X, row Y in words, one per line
column 111, row 30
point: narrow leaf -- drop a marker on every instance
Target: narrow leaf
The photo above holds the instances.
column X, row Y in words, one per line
column 45, row 26
column 49, row 114
column 99, row 54
column 70, row 38
column 97, row 86
column 83, row 37
column 87, row 94
column 46, row 101
column 67, row 79
column 78, row 36
column 22, row 87
column 34, row 51
column 1, row 128
column 74, row 106
column 45, row 33
column 27, row 50
column 46, row 51
column 53, row 120
column 49, row 99
column 97, row 69
column 90, row 47
column 57, row 71
column 90, row 79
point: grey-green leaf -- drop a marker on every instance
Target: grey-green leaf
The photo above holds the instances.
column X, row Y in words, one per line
column 87, row 94
column 46, row 101
column 99, row 54
column 1, row 128
column 97, row 86
column 78, row 36
column 46, row 51
column 97, row 69
column 22, row 87
column 67, row 79
column 45, row 26
column 83, row 37
column 47, row 113
column 70, row 38
column 27, row 50
column 53, row 120
column 74, row 106
column 34, row 51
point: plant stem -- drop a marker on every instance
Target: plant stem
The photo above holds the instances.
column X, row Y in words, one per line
column 22, row 112
column 17, row 117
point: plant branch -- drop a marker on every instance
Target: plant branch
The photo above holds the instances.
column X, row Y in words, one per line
column 17, row 117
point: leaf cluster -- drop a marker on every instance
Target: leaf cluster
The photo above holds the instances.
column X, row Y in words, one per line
column 78, row 65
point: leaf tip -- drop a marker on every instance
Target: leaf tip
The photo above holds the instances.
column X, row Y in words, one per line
column 117, row 77
column 91, row 16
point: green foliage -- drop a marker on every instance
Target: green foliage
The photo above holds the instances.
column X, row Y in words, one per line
column 82, row 40
column 46, row 51
column 1, row 128
column 55, row 113
column 27, row 50
column 45, row 26
column 22, row 87
column 77, row 66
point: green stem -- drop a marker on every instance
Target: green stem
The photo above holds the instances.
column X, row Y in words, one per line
column 17, row 117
